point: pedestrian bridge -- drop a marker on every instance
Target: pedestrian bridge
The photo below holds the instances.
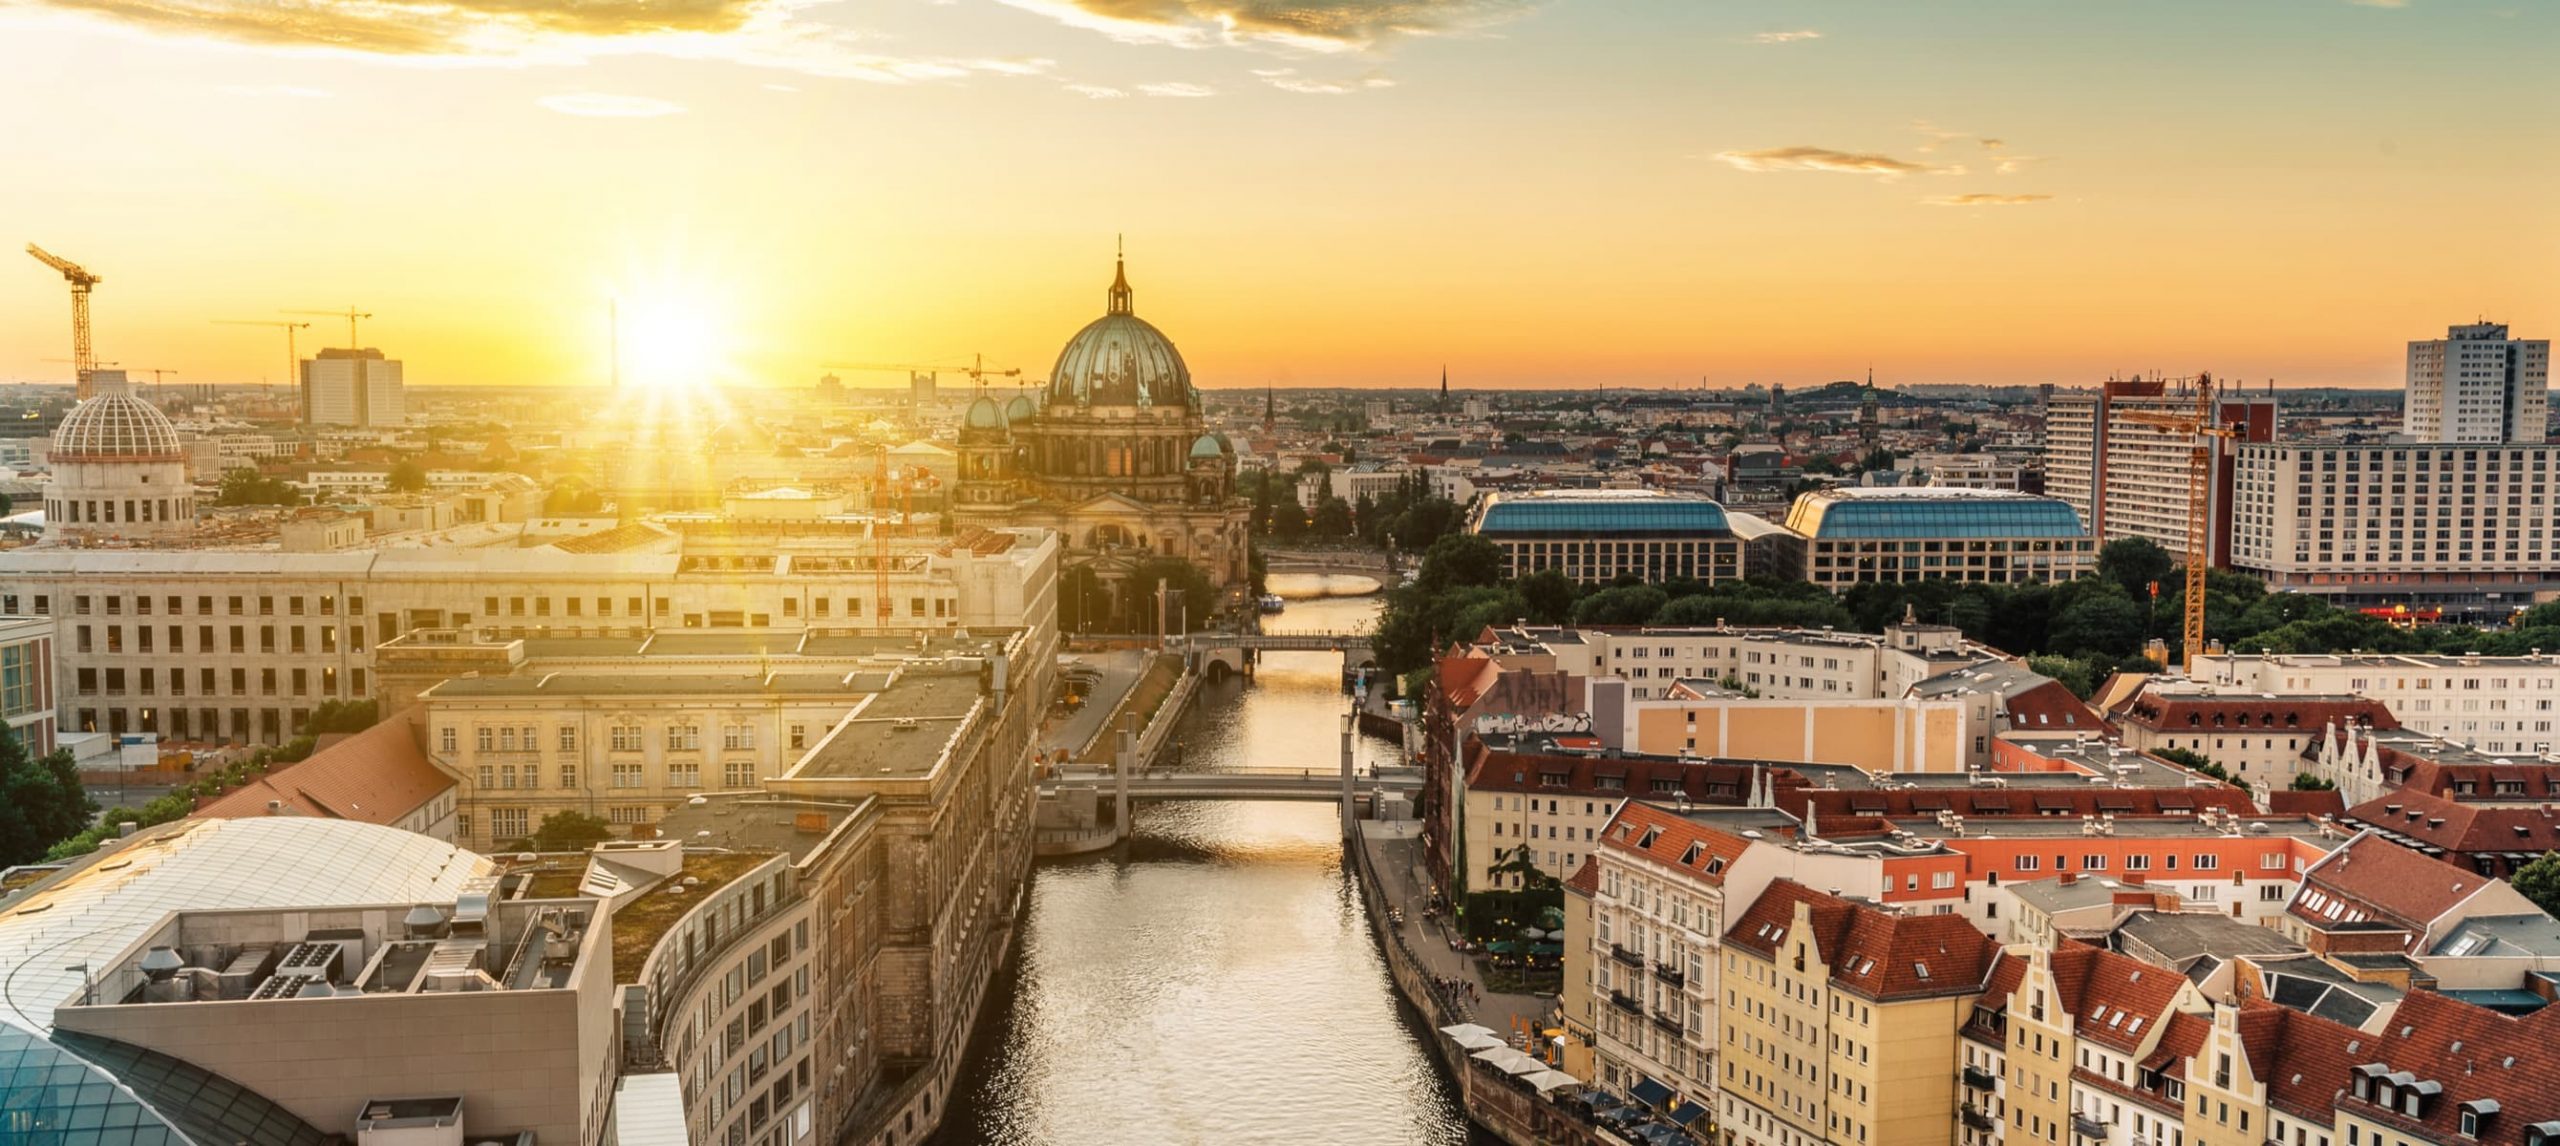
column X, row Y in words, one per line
column 1347, row 642
column 1313, row 786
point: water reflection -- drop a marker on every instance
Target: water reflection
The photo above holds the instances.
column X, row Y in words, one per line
column 1217, row 983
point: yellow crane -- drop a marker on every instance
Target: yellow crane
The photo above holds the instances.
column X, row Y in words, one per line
column 351, row 314
column 2203, row 426
column 83, row 360
column 977, row 370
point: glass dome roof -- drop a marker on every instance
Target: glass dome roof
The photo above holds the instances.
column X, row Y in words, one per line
column 115, row 426
column 984, row 414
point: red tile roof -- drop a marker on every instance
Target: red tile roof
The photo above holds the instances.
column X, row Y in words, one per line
column 1586, row 879
column 2181, row 712
column 2474, row 1053
column 2116, row 1000
column 378, row 776
column 1880, row 954
column 2463, row 829
column 1672, row 840
column 2286, row 802
column 2384, row 882
column 2021, row 798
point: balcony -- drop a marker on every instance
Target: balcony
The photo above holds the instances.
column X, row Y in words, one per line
column 2086, row 1127
column 1625, row 956
column 1978, row 1078
column 1670, row 974
column 1626, row 1002
column 1670, row 1024
column 1978, row 1119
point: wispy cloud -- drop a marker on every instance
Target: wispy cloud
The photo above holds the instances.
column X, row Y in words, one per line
column 1825, row 159
column 1177, row 90
column 604, row 106
column 1097, row 91
column 1317, row 25
column 1985, row 199
column 756, row 33
column 1289, row 80
column 2379, row 3
column 1786, row 37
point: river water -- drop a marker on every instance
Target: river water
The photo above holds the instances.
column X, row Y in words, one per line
column 1217, row 983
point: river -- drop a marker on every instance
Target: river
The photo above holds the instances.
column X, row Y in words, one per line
column 1217, row 983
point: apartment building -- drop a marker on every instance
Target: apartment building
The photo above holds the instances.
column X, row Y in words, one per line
column 2127, row 478
column 2258, row 738
column 1841, row 1021
column 241, row 645
column 2476, row 384
column 1658, row 912
column 2463, row 526
column 2498, row 705
column 1855, row 535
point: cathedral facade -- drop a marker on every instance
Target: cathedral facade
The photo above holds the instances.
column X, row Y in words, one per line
column 1113, row 454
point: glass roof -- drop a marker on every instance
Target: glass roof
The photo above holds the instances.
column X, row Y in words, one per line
column 1567, row 515
column 110, row 1093
column 1826, row 518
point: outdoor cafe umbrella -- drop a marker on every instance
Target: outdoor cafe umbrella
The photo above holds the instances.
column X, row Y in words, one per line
column 1509, row 1061
column 1462, row 1030
column 1478, row 1042
column 1547, row 1080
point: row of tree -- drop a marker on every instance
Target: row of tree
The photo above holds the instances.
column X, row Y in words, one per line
column 2075, row 631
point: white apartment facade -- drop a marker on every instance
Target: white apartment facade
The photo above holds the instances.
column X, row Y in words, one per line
column 353, row 388
column 2476, row 385
column 2493, row 704
column 2129, row 479
column 2466, row 525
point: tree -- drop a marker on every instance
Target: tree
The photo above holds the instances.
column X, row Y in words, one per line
column 1549, row 595
column 1624, row 605
column 2192, row 761
column 1458, row 560
column 41, row 802
column 2134, row 563
column 246, row 486
column 2306, row 782
column 2073, row 674
column 564, row 832
column 1191, row 603
column 1333, row 517
column 2107, row 624
column 341, row 716
column 2539, row 881
column 405, row 477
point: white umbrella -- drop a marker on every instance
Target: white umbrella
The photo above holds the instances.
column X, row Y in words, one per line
column 1478, row 1042
column 1462, row 1030
column 1509, row 1061
column 1547, row 1080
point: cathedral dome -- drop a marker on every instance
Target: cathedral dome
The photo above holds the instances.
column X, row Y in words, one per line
column 984, row 414
column 1121, row 360
column 115, row 426
column 1020, row 410
column 1208, row 446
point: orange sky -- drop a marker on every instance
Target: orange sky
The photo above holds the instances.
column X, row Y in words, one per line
column 1347, row 193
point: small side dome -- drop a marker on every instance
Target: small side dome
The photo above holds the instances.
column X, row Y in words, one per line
column 1020, row 410
column 1211, row 447
column 984, row 414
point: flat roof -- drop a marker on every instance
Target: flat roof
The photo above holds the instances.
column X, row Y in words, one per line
column 901, row 733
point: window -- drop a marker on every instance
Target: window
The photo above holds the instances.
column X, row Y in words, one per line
column 738, row 736
column 684, row 738
column 626, row 738
column 446, row 739
column 626, row 774
column 568, row 738
column 738, row 774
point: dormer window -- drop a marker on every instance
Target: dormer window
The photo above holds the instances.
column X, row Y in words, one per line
column 2476, row 1116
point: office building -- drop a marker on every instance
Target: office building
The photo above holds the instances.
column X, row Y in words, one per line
column 2467, row 528
column 1595, row 536
column 1840, row 537
column 2478, row 386
column 352, row 387
column 2130, row 479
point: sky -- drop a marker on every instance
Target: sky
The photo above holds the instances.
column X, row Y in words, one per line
column 1347, row 193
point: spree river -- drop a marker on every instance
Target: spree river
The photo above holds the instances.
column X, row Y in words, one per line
column 1217, row 983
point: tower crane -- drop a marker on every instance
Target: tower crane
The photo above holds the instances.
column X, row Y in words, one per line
column 977, row 369
column 2203, row 426
column 292, row 358
column 83, row 359
column 351, row 314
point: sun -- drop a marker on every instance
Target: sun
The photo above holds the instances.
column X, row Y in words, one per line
column 671, row 341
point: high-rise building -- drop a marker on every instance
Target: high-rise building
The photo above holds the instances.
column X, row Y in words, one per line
column 350, row 387
column 2478, row 385
column 2128, row 479
column 2378, row 524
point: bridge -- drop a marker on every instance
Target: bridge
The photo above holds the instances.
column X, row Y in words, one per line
column 1315, row 786
column 1376, row 563
column 1346, row 642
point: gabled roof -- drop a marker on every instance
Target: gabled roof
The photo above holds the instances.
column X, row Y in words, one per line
column 2460, row 827
column 2307, row 715
column 1883, row 955
column 2474, row 1053
column 2371, row 879
column 378, row 776
column 1672, row 840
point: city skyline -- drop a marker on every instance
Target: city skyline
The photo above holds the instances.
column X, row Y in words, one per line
column 1737, row 193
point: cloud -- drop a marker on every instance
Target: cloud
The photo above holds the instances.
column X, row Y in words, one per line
column 1986, row 199
column 2379, row 3
column 602, row 106
column 1097, row 91
column 1994, row 144
column 1317, row 25
column 1825, row 159
column 756, row 33
column 1786, row 37
column 1177, row 91
column 1288, row 80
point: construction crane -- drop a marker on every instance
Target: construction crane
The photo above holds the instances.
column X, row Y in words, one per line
column 155, row 372
column 2204, row 426
column 977, row 369
column 292, row 357
column 351, row 314
column 83, row 359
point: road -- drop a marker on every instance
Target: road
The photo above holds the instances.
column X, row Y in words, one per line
column 1120, row 669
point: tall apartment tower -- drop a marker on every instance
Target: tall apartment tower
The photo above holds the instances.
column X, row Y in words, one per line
column 2129, row 479
column 2478, row 385
column 343, row 387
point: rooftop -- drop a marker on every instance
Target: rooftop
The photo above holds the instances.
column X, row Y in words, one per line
column 1586, row 511
column 1851, row 513
column 639, row 924
column 903, row 732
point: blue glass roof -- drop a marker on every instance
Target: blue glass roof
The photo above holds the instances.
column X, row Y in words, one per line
column 1576, row 516
column 1886, row 518
column 116, row 1094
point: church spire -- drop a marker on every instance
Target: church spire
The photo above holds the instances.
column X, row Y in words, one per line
column 1120, row 295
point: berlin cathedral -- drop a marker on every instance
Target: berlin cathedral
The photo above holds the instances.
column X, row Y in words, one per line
column 1115, row 457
